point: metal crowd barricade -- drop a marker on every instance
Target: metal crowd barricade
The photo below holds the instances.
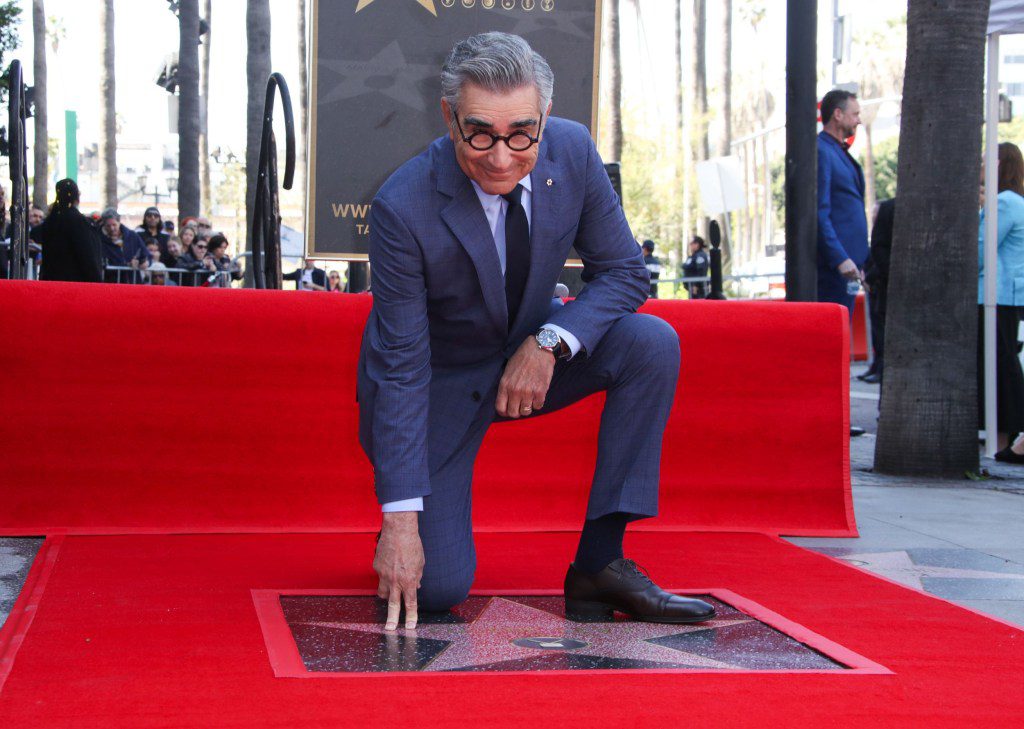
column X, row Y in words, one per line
column 31, row 264
column 202, row 278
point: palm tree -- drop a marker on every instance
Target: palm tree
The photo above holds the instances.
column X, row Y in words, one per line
column 682, row 137
column 614, row 83
column 108, row 113
column 725, row 80
column 41, row 164
column 188, row 108
column 303, row 95
column 699, row 73
column 257, row 33
column 205, row 193
column 928, row 423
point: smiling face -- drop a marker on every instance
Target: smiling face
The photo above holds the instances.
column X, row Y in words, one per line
column 499, row 169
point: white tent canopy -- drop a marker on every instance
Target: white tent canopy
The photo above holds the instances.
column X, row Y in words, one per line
column 1005, row 17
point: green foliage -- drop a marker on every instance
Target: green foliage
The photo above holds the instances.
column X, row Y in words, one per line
column 10, row 16
column 886, row 154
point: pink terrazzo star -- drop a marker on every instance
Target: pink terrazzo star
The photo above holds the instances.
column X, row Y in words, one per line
column 490, row 638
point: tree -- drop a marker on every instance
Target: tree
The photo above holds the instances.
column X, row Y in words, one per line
column 257, row 33
column 699, row 74
column 204, row 113
column 40, row 167
column 188, row 108
column 725, row 80
column 682, row 140
column 303, row 96
column 615, row 83
column 108, row 109
column 928, row 423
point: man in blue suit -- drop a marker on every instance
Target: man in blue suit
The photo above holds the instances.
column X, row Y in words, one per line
column 466, row 244
column 842, row 222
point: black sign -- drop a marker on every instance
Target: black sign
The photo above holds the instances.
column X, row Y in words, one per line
column 376, row 92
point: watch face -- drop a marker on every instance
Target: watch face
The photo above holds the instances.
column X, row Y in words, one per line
column 547, row 338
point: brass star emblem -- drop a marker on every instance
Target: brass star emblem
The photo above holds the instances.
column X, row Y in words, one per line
column 428, row 4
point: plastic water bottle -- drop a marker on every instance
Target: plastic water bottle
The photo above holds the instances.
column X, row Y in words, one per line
column 852, row 287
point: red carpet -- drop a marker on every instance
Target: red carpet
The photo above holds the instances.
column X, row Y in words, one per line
column 161, row 631
column 120, row 402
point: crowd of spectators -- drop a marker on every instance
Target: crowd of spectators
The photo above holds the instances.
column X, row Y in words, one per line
column 100, row 247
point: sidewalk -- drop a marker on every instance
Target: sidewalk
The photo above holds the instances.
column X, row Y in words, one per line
column 958, row 540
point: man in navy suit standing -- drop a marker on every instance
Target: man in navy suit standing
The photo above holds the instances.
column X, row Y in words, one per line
column 842, row 222
column 467, row 241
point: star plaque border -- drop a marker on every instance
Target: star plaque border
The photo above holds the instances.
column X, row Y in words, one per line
column 287, row 662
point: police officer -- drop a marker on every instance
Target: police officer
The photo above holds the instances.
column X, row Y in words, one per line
column 697, row 266
column 653, row 264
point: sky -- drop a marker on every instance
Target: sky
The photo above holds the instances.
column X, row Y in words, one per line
column 145, row 33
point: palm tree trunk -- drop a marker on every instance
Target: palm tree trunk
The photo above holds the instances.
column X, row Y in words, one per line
column 928, row 423
column 725, row 81
column 41, row 156
column 188, row 109
column 257, row 33
column 682, row 140
column 303, row 97
column 205, row 191
column 108, row 113
column 699, row 71
column 615, row 83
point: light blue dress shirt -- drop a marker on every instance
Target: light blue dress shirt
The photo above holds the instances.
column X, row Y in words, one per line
column 495, row 208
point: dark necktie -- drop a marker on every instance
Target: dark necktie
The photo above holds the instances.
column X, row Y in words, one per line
column 517, row 252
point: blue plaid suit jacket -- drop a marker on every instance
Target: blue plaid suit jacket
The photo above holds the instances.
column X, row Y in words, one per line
column 438, row 336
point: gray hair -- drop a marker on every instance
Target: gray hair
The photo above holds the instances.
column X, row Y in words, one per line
column 497, row 62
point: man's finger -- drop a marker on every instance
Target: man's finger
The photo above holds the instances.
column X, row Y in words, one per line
column 501, row 402
column 411, row 612
column 382, row 590
column 394, row 608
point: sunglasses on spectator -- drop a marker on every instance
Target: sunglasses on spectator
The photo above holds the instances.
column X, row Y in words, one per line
column 199, row 245
column 203, row 225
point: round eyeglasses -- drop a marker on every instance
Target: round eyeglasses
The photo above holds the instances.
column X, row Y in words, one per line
column 517, row 141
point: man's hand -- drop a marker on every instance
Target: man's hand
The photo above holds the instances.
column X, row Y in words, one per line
column 849, row 270
column 399, row 564
column 524, row 386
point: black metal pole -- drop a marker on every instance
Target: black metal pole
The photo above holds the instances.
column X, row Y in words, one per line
column 266, row 219
column 801, row 150
column 715, row 236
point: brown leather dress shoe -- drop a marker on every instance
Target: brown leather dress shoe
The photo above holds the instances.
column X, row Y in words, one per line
column 625, row 587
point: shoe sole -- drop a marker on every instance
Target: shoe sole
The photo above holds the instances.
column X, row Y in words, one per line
column 587, row 611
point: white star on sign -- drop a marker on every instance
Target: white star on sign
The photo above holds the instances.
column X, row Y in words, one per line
column 489, row 638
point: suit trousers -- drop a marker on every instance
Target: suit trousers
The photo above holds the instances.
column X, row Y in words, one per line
column 637, row 364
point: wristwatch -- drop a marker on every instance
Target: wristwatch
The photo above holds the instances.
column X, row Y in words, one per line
column 548, row 339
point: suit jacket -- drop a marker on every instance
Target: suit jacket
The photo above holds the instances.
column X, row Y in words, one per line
column 71, row 247
column 438, row 336
column 842, row 224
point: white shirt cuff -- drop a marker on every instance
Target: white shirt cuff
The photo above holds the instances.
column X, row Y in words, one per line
column 572, row 342
column 415, row 504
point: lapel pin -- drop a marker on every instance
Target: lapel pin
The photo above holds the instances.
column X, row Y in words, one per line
column 550, row 182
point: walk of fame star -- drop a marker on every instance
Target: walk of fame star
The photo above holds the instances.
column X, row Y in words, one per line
column 428, row 4
column 529, row 633
column 387, row 73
